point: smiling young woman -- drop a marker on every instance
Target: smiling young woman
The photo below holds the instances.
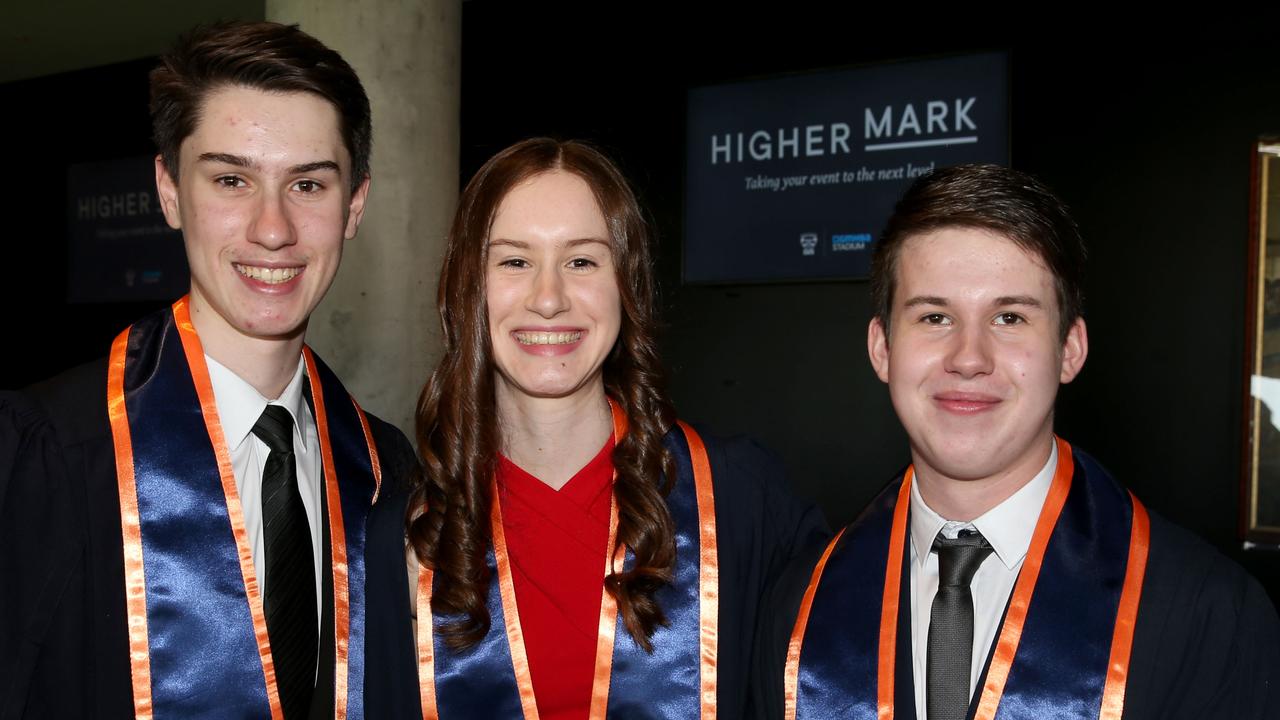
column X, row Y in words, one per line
column 572, row 554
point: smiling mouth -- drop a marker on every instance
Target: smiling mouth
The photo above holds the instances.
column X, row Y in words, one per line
column 547, row 338
column 965, row 403
column 270, row 276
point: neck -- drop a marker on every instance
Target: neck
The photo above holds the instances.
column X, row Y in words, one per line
column 268, row 364
column 963, row 500
column 553, row 438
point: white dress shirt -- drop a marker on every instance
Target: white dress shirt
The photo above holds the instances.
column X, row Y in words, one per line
column 1008, row 527
column 239, row 407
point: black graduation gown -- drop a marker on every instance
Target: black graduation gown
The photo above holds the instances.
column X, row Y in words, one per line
column 1206, row 643
column 760, row 528
column 64, row 649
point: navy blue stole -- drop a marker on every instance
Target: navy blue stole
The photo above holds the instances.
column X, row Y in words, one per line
column 197, row 637
column 1063, row 647
column 491, row 679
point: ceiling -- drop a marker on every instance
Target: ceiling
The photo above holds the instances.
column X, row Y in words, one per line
column 42, row 38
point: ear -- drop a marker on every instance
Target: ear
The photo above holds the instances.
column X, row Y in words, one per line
column 1074, row 351
column 878, row 348
column 355, row 211
column 167, row 187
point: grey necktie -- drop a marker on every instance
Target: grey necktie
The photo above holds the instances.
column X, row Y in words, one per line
column 951, row 625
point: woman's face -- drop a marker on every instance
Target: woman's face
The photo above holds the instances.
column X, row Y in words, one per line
column 551, row 288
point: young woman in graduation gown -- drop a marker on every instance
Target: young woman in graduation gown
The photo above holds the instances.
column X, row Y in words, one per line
column 575, row 551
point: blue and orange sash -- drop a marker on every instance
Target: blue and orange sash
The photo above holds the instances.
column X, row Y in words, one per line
column 677, row 680
column 198, row 642
column 1063, row 648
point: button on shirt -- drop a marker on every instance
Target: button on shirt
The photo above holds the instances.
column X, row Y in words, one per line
column 239, row 407
column 1008, row 527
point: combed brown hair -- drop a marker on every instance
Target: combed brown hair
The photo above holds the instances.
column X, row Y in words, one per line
column 260, row 55
column 457, row 429
column 994, row 198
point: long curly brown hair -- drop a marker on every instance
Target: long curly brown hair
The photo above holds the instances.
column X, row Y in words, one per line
column 457, row 430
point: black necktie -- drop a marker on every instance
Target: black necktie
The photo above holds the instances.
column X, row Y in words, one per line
column 951, row 625
column 290, row 577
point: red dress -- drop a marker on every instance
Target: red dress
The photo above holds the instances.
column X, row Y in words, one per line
column 557, row 544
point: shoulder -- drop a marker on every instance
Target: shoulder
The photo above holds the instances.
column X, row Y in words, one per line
column 1207, row 639
column 750, row 482
column 389, row 439
column 399, row 464
column 756, row 509
column 1186, row 576
column 1183, row 572
column 66, row 410
column 73, row 404
column 1181, row 566
column 741, row 463
column 752, row 489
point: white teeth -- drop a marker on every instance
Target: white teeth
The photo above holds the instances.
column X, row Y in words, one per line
column 548, row 338
column 271, row 276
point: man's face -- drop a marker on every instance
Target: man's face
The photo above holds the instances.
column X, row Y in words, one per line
column 975, row 355
column 264, row 204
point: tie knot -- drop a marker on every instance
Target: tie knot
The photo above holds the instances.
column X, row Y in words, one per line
column 960, row 557
column 275, row 428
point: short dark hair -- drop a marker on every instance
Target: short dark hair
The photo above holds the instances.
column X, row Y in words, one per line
column 993, row 198
column 261, row 55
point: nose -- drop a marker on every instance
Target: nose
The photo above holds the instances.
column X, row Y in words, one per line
column 547, row 297
column 970, row 354
column 272, row 226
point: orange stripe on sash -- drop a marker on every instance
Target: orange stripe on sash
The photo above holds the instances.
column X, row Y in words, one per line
column 510, row 613
column 337, row 542
column 708, row 570
column 791, row 677
column 889, row 605
column 194, row 352
column 888, row 639
column 608, row 617
column 1127, row 614
column 619, row 421
column 374, row 463
column 615, row 557
column 1020, row 602
column 135, row 585
column 426, row 646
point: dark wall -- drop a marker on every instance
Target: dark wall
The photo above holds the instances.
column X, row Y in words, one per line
column 1146, row 135
column 49, row 124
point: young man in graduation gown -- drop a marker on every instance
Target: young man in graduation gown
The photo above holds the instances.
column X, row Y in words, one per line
column 184, row 525
column 1006, row 574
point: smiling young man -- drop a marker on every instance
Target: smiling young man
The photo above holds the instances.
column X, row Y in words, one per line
column 190, row 522
column 1005, row 574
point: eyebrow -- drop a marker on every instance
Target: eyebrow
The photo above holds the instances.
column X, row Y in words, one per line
column 1001, row 301
column 525, row 246
column 227, row 159
column 244, row 162
column 1026, row 300
column 314, row 166
column 926, row 300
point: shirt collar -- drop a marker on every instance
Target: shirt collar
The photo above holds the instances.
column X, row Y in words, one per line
column 1007, row 526
column 240, row 404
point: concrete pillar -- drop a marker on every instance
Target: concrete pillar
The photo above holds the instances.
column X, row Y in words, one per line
column 378, row 328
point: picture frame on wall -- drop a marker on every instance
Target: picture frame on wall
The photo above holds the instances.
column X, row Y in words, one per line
column 1260, row 491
